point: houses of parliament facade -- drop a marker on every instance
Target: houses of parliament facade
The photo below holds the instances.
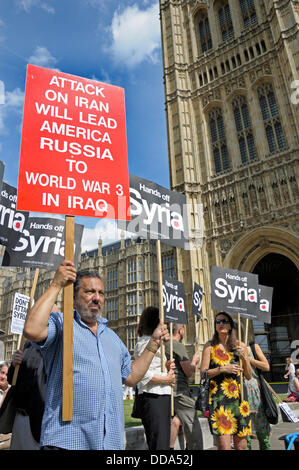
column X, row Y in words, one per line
column 232, row 107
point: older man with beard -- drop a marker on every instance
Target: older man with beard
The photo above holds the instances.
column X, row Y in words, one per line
column 101, row 363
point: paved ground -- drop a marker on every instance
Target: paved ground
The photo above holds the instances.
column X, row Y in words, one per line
column 277, row 436
column 278, row 431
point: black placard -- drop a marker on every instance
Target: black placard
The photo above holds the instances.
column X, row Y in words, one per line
column 197, row 300
column 235, row 292
column 265, row 304
column 12, row 221
column 41, row 244
column 174, row 301
column 157, row 213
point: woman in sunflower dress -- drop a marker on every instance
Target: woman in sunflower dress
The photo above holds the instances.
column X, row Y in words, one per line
column 229, row 415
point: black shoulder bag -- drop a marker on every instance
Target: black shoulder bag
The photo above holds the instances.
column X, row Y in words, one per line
column 8, row 412
column 137, row 406
column 202, row 401
column 268, row 402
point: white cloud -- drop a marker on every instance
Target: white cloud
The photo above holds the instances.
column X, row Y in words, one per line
column 26, row 5
column 14, row 101
column 135, row 35
column 42, row 57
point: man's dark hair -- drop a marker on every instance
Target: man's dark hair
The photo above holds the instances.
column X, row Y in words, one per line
column 80, row 276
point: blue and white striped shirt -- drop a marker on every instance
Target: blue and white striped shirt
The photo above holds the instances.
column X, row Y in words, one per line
column 101, row 364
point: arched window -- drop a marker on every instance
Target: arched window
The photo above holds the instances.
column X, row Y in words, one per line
column 225, row 20
column 248, row 12
column 272, row 123
column 205, row 33
column 218, row 139
column 244, row 129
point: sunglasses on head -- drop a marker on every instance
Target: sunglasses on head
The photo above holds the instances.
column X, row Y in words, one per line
column 224, row 321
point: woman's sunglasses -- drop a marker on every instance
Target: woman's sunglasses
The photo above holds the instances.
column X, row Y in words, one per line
column 222, row 321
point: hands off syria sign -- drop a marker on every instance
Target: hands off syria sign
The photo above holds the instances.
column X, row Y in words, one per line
column 174, row 301
column 157, row 213
column 73, row 158
column 235, row 292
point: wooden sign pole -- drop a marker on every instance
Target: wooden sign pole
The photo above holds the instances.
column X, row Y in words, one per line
column 22, row 339
column 246, row 331
column 68, row 300
column 241, row 372
column 171, row 358
column 161, row 307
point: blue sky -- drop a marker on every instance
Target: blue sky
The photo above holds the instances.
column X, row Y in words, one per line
column 106, row 40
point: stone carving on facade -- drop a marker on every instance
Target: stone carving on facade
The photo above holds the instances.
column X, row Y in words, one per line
column 267, row 69
column 225, row 245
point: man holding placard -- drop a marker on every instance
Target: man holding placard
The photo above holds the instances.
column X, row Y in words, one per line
column 101, row 364
column 184, row 405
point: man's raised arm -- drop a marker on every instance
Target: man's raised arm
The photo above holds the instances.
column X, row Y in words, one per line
column 141, row 365
column 36, row 324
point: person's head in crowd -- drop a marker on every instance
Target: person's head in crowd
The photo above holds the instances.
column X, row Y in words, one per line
column 149, row 320
column 89, row 295
column 224, row 325
column 289, row 360
column 3, row 375
column 178, row 331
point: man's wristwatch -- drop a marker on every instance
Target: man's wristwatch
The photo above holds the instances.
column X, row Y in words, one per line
column 151, row 349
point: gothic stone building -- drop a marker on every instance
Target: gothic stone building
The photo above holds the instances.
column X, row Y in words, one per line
column 230, row 68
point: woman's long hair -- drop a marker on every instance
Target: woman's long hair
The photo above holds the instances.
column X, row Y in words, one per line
column 232, row 338
column 149, row 321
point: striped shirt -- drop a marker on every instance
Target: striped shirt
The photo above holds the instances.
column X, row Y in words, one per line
column 101, row 364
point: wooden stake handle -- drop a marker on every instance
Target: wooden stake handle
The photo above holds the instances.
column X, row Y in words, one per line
column 67, row 370
column 240, row 361
column 161, row 307
column 171, row 358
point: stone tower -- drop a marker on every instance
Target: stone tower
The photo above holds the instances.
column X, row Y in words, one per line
column 230, row 77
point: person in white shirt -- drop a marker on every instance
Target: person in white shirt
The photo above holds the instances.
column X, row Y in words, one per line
column 154, row 390
column 290, row 368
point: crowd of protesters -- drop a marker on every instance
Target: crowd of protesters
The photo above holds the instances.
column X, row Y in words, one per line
column 102, row 365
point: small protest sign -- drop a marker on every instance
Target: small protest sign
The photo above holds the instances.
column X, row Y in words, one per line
column 12, row 221
column 19, row 312
column 157, row 213
column 197, row 300
column 235, row 292
column 42, row 244
column 290, row 415
column 174, row 301
column 73, row 158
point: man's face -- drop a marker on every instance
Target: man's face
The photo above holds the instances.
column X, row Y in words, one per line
column 3, row 377
column 89, row 299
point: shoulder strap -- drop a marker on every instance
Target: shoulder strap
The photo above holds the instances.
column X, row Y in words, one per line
column 251, row 344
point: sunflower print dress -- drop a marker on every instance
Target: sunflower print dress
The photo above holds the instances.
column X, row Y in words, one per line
column 227, row 415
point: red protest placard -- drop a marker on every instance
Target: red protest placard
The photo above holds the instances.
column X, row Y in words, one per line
column 73, row 158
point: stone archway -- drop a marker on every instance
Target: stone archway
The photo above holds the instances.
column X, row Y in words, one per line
column 272, row 254
column 279, row 272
